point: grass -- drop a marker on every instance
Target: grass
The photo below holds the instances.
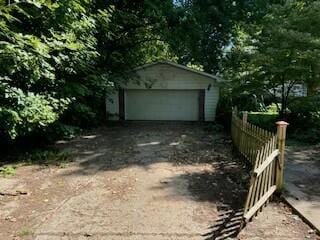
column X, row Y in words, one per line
column 186, row 139
column 7, row 170
column 25, row 232
column 264, row 113
column 43, row 157
column 47, row 157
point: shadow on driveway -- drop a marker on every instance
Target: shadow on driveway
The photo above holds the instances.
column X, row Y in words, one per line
column 144, row 144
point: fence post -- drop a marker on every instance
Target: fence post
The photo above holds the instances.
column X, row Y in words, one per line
column 244, row 117
column 281, row 136
column 235, row 110
column 243, row 124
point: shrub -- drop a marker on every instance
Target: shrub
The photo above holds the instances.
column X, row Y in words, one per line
column 264, row 120
column 47, row 157
column 304, row 119
column 82, row 115
column 60, row 131
column 7, row 170
column 309, row 135
column 305, row 112
column 223, row 111
column 23, row 113
column 229, row 99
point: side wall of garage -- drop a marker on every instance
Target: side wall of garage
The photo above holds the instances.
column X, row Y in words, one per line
column 167, row 77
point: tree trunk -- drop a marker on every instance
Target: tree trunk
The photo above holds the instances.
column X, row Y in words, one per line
column 312, row 88
column 283, row 100
column 313, row 85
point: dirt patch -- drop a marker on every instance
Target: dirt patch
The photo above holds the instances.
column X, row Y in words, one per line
column 277, row 222
column 140, row 181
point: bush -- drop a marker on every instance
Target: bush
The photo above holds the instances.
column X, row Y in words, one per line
column 305, row 112
column 60, row 131
column 310, row 135
column 244, row 102
column 7, row 170
column 223, row 111
column 49, row 157
column 264, row 120
column 23, row 113
column 82, row 115
column 304, row 119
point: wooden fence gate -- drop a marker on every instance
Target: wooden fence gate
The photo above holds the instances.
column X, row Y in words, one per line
column 264, row 151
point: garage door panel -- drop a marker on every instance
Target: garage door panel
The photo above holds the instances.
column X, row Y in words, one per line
column 162, row 105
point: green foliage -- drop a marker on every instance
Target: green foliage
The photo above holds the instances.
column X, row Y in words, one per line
column 199, row 31
column 47, row 157
column 277, row 52
column 24, row 113
column 224, row 107
column 58, row 59
column 272, row 54
column 308, row 135
column 304, row 118
column 35, row 61
column 7, row 170
column 58, row 131
column 24, row 232
column 244, row 101
column 272, row 109
column 264, row 120
column 305, row 106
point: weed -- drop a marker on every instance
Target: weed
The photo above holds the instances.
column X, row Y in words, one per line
column 25, row 232
column 186, row 139
column 49, row 157
column 7, row 170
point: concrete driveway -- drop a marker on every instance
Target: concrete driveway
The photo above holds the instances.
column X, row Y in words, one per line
column 139, row 181
column 302, row 181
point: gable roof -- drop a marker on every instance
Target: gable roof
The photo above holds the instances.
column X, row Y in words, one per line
column 176, row 65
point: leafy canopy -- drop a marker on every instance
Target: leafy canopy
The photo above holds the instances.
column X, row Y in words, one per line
column 58, row 58
column 281, row 50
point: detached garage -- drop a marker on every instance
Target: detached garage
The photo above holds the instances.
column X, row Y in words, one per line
column 166, row 91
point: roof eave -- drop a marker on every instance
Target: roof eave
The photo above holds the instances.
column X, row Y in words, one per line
column 216, row 78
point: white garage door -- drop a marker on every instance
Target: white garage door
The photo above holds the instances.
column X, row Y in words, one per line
column 162, row 105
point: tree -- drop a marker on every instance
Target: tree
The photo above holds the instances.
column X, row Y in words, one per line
column 199, row 30
column 278, row 52
column 27, row 78
column 59, row 58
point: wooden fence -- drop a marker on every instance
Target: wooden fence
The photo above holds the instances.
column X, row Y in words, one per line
column 264, row 151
